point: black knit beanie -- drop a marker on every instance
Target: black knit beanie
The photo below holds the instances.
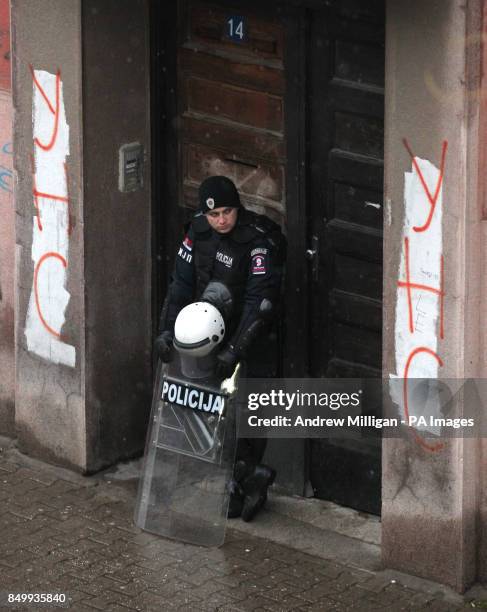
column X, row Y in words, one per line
column 217, row 192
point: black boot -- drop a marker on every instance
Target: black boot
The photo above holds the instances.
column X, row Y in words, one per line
column 255, row 490
column 240, row 471
column 236, row 499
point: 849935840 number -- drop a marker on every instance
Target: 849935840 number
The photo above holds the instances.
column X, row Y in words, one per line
column 34, row 598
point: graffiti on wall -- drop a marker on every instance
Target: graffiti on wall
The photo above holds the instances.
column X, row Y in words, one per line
column 51, row 222
column 420, row 324
column 6, row 168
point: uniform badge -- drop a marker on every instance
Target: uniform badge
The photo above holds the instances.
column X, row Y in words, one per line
column 258, row 265
column 210, row 202
column 185, row 250
column 224, row 259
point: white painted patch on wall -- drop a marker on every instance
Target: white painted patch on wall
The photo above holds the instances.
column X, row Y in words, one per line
column 425, row 251
column 50, row 245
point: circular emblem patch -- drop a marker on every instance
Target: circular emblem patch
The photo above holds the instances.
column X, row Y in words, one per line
column 210, row 202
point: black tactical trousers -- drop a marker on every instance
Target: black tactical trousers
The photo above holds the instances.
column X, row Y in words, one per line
column 262, row 364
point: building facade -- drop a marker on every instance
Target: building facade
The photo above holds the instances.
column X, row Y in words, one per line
column 359, row 128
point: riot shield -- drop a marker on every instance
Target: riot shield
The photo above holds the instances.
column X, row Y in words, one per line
column 190, row 451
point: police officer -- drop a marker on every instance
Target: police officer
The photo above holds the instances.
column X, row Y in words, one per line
column 230, row 246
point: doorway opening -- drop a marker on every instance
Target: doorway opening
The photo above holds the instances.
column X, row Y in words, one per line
column 287, row 99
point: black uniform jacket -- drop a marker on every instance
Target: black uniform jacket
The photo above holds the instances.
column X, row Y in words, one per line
column 248, row 260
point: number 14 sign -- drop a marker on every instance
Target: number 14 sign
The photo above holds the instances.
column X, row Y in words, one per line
column 236, row 28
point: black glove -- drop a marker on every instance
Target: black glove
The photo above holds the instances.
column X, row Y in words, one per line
column 225, row 363
column 163, row 346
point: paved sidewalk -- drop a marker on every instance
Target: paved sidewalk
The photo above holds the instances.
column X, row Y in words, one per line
column 63, row 533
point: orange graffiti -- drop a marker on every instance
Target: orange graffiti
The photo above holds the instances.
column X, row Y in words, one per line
column 50, row 196
column 431, row 198
column 53, row 109
column 422, row 349
column 36, row 291
column 409, row 286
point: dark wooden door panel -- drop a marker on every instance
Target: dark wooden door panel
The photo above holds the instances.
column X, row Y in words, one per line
column 243, row 73
column 354, row 343
column 261, row 180
column 344, row 467
column 355, row 240
column 357, row 276
column 372, row 10
column 356, row 309
column 359, row 134
column 355, row 169
column 340, row 368
column 255, row 109
column 364, row 101
column 244, row 143
column 358, row 205
column 359, row 61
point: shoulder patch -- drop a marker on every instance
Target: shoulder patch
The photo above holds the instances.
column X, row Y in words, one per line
column 258, row 263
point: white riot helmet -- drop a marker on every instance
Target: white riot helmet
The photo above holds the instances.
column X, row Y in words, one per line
column 198, row 329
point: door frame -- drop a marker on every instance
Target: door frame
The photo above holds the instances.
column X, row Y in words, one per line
column 164, row 148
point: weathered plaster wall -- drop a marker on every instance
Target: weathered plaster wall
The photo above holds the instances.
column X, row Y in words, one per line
column 117, row 230
column 50, row 409
column 430, row 500
column 7, row 232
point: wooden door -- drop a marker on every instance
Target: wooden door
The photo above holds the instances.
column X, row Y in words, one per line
column 346, row 116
